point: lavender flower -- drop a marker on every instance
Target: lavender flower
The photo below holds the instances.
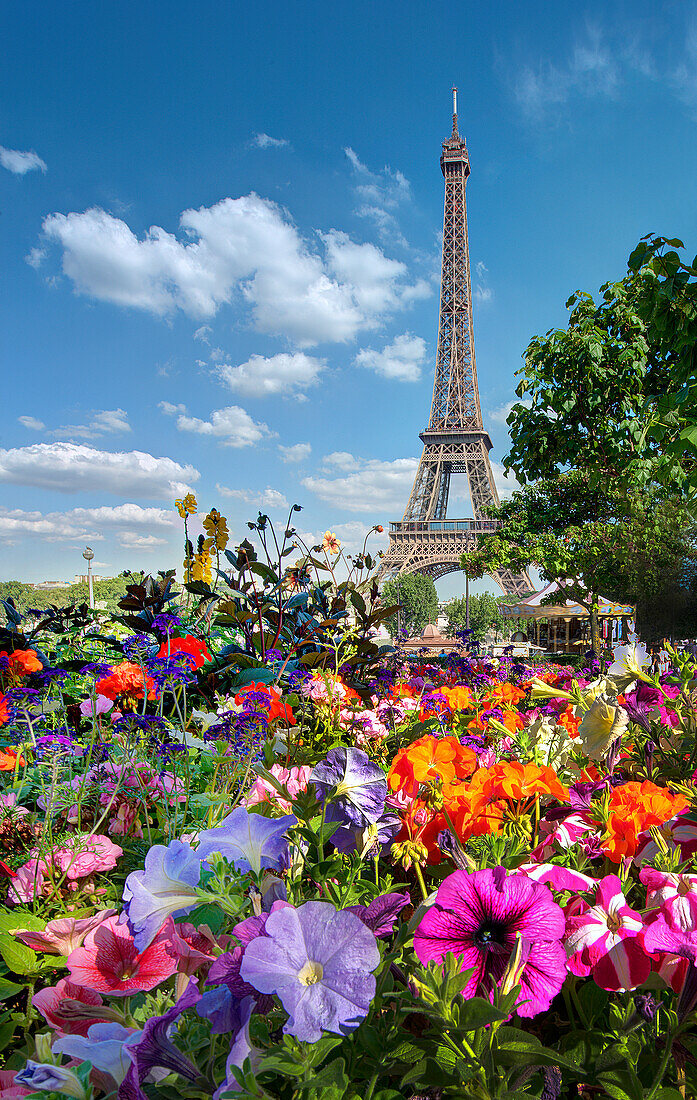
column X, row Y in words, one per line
column 50, row 1078
column 382, row 912
column 240, row 1049
column 106, row 1047
column 318, row 961
column 165, row 887
column 154, row 1049
column 248, row 840
column 353, row 787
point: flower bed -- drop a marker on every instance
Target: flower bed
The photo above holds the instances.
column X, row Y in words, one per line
column 239, row 873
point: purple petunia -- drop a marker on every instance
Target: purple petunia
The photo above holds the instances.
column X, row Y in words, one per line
column 248, row 840
column 353, row 787
column 476, row 916
column 318, row 961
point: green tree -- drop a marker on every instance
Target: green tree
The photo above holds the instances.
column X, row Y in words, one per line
column 590, row 541
column 107, row 593
column 418, row 598
column 484, row 613
column 615, row 392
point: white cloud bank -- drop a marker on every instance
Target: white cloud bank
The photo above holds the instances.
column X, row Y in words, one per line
column 233, row 426
column 278, row 374
column 268, row 498
column 371, row 486
column 247, row 249
column 131, row 525
column 400, row 361
column 297, row 452
column 20, row 163
column 73, row 468
column 265, row 141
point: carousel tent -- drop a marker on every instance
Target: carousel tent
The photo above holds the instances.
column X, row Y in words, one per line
column 565, row 627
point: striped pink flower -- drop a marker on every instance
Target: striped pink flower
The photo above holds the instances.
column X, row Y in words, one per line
column 604, row 939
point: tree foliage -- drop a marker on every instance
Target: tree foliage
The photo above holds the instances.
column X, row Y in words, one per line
column 418, row 598
column 628, row 547
column 484, row 613
column 107, row 594
column 614, row 392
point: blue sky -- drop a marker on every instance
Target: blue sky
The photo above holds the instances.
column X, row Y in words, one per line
column 220, row 243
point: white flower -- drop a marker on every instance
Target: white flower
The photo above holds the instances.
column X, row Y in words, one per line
column 629, row 660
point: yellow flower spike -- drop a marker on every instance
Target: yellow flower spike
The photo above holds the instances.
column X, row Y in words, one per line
column 216, row 527
column 541, row 690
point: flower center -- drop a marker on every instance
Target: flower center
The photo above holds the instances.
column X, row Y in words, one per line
column 490, row 932
column 311, row 973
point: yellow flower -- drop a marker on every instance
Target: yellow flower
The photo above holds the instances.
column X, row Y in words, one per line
column 330, row 543
column 602, row 724
column 541, row 690
column 216, row 527
column 187, row 506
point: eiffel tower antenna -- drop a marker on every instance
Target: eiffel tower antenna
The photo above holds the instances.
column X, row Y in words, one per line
column 425, row 540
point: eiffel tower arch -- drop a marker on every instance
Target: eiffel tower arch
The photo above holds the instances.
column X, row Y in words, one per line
column 426, row 540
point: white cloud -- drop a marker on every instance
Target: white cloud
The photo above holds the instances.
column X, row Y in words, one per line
column 297, row 452
column 247, row 249
column 379, row 194
column 401, row 360
column 36, row 257
column 107, row 421
column 506, row 484
column 265, row 141
column 351, row 535
column 501, row 414
column 128, row 523
column 73, row 468
column 482, row 291
column 268, row 498
column 232, row 425
column 592, row 69
column 340, row 460
column 171, row 410
column 277, row 374
column 373, row 486
column 20, row 163
column 31, row 423
column 133, row 541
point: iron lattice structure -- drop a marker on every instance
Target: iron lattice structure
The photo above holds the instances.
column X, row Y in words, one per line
column 425, row 541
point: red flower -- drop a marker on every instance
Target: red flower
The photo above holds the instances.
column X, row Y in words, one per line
column 4, row 710
column 52, row 1001
column 108, row 961
column 126, row 678
column 22, row 662
column 276, row 708
column 196, row 650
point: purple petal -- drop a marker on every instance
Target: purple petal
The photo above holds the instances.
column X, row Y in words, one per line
column 382, row 912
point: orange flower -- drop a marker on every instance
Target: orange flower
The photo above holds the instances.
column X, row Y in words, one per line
column 427, row 759
column 275, row 707
column 569, row 721
column 22, row 662
column 126, row 678
column 520, row 782
column 634, row 808
column 4, row 710
column 459, row 697
column 505, row 693
column 9, row 759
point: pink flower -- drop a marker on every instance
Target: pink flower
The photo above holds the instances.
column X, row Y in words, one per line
column 193, row 948
column 559, row 878
column 605, row 939
column 109, row 963
column 60, row 937
column 8, row 801
column 90, row 708
column 27, row 883
column 86, row 855
column 8, row 1089
column 53, row 999
column 564, row 835
column 126, row 820
column 293, row 779
column 675, row 894
column 477, row 916
column 680, row 831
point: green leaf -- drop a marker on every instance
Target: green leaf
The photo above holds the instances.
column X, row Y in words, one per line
column 9, row 989
column 20, row 959
column 477, row 1013
column 6, row 1034
column 20, row 920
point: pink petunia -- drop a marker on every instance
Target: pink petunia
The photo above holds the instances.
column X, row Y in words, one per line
column 85, row 855
column 8, row 1089
column 27, row 882
column 559, row 878
column 62, row 936
column 294, row 780
column 53, row 999
column 675, row 894
column 605, row 939
column 108, row 961
column 193, row 948
column 477, row 917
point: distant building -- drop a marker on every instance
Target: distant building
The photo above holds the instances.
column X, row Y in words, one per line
column 51, row 584
column 83, row 578
column 432, row 640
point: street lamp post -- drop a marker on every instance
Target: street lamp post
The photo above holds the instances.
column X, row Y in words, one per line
column 88, row 554
column 467, row 601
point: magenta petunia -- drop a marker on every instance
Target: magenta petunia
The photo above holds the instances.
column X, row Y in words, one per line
column 605, row 939
column 477, row 915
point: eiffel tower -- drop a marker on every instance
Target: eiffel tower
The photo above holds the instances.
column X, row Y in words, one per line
column 424, row 540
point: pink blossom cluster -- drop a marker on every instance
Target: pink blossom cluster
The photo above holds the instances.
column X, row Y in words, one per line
column 294, row 780
column 83, row 856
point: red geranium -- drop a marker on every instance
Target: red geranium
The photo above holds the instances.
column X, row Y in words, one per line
column 276, row 708
column 196, row 650
column 126, row 678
